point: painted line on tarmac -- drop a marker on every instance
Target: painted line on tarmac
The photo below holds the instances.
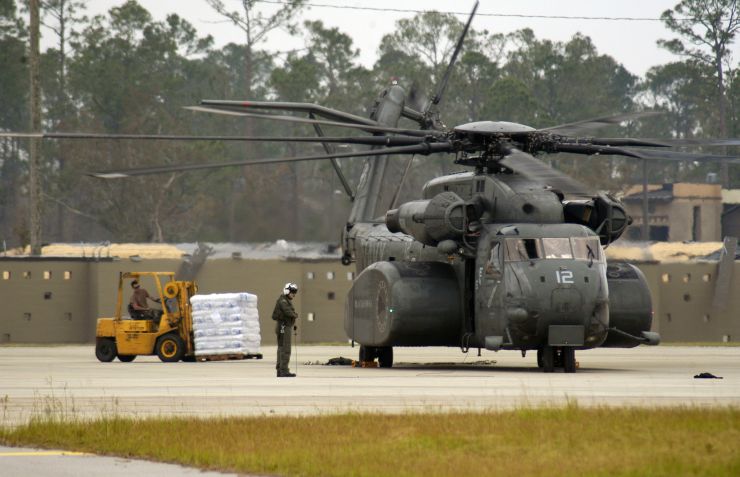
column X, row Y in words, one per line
column 41, row 453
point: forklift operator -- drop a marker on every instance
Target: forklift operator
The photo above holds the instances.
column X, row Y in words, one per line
column 138, row 305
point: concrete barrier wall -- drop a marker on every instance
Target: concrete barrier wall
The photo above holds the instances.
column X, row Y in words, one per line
column 58, row 300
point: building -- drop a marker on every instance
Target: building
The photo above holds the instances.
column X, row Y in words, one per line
column 677, row 212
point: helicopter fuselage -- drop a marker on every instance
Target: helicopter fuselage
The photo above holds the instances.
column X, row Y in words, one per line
column 489, row 261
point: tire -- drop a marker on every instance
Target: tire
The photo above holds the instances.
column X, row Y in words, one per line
column 170, row 348
column 539, row 357
column 367, row 353
column 126, row 358
column 385, row 357
column 548, row 359
column 105, row 349
column 569, row 359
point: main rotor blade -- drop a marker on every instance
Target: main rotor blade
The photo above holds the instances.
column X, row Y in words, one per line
column 534, row 169
column 573, row 129
column 364, row 140
column 318, row 110
column 627, row 142
column 294, row 119
column 699, row 142
column 446, row 78
column 683, row 156
column 591, row 149
column 424, row 149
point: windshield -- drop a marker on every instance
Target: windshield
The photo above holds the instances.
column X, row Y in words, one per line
column 578, row 248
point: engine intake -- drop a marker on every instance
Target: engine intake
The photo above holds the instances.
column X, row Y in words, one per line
column 603, row 214
column 444, row 217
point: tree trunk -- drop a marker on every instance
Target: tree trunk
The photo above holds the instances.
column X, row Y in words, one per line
column 34, row 186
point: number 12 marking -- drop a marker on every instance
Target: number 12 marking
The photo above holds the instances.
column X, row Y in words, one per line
column 564, row 276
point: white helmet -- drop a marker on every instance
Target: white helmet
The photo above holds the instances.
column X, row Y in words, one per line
column 290, row 288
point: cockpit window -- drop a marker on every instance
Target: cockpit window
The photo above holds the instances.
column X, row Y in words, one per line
column 587, row 248
column 523, row 249
column 579, row 248
column 557, row 248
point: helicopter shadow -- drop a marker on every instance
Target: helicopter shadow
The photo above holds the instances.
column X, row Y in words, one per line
column 492, row 368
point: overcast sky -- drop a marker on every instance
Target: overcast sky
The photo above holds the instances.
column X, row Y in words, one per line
column 630, row 42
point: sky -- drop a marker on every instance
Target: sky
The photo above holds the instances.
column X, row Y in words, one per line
column 632, row 43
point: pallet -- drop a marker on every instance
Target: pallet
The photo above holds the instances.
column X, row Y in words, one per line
column 227, row 357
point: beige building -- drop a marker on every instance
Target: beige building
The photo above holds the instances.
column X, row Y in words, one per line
column 677, row 212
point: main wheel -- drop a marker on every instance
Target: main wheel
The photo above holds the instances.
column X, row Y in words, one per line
column 548, row 359
column 569, row 359
column 126, row 358
column 385, row 356
column 105, row 349
column 367, row 353
column 170, row 348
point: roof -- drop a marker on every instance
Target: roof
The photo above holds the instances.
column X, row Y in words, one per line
column 683, row 190
column 731, row 196
column 278, row 250
column 665, row 252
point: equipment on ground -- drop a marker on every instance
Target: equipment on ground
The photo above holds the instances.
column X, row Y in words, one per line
column 170, row 336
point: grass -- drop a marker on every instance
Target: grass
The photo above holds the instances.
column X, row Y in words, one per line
column 556, row 441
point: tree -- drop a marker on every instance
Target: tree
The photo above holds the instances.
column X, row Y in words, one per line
column 708, row 28
column 13, row 116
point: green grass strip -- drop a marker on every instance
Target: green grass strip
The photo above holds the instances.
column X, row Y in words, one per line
column 558, row 441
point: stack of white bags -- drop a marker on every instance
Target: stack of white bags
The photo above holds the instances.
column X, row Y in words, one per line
column 225, row 323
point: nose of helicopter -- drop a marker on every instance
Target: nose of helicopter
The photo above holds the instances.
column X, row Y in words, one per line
column 568, row 305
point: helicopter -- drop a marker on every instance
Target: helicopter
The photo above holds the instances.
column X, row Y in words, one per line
column 507, row 255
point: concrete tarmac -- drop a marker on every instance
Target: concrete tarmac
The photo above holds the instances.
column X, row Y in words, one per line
column 68, row 381
column 19, row 462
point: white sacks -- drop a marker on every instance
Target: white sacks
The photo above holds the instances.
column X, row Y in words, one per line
column 226, row 323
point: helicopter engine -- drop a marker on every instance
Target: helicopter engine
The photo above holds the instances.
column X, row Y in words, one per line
column 603, row 214
column 405, row 304
column 630, row 307
column 444, row 217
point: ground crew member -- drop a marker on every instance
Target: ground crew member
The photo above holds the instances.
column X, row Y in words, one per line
column 284, row 316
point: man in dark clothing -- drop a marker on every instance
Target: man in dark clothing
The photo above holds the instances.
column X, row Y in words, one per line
column 284, row 316
column 138, row 305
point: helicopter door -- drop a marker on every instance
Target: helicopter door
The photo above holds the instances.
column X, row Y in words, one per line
column 489, row 288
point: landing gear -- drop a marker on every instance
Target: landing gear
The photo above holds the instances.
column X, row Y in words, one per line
column 550, row 357
column 384, row 355
column 546, row 358
column 569, row 359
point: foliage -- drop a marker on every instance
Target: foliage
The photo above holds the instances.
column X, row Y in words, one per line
column 528, row 441
column 125, row 72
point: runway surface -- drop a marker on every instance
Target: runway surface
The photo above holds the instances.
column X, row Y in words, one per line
column 69, row 381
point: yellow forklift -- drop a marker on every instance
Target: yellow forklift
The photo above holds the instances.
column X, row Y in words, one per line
column 169, row 336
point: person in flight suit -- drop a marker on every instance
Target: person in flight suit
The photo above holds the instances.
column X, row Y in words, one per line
column 284, row 316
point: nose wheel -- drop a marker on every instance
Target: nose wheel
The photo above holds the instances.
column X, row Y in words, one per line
column 551, row 357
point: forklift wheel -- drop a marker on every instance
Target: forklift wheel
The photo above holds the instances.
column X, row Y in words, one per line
column 170, row 348
column 126, row 358
column 105, row 349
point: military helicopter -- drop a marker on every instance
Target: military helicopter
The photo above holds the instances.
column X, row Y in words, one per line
column 508, row 255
